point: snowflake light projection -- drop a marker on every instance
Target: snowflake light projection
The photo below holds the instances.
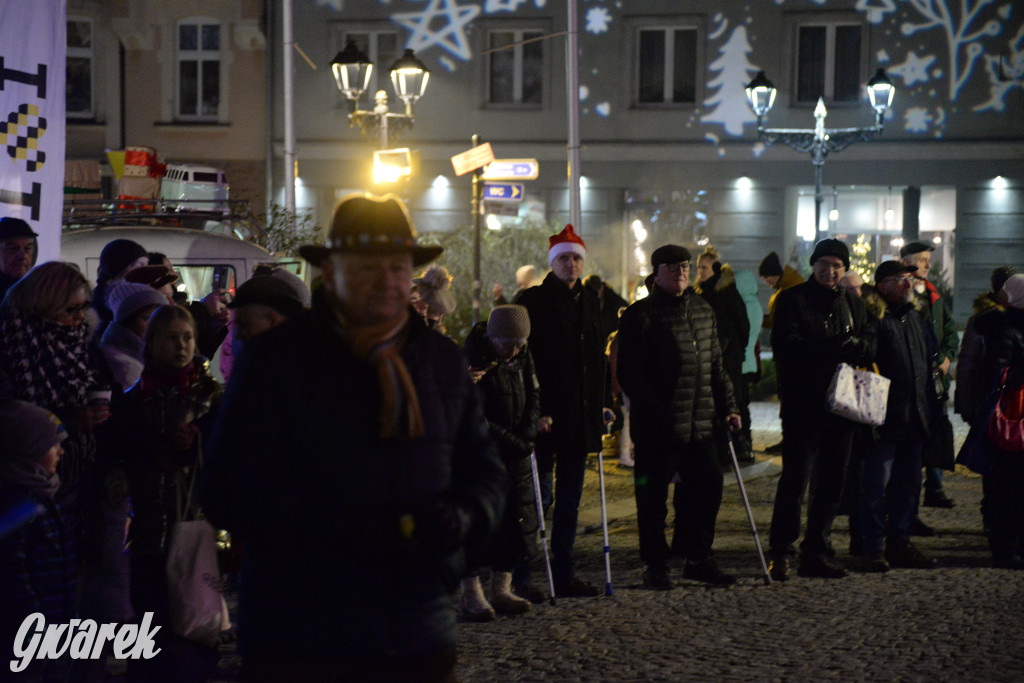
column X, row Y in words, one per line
column 598, row 20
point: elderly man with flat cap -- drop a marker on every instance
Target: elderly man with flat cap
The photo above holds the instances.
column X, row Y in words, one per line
column 352, row 459
column 818, row 324
column 670, row 366
column 18, row 251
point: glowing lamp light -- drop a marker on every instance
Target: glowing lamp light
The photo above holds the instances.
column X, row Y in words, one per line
column 639, row 232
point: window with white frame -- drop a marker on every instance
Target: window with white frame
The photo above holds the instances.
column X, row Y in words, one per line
column 382, row 48
column 666, row 65
column 828, row 62
column 515, row 67
column 199, row 61
column 78, row 89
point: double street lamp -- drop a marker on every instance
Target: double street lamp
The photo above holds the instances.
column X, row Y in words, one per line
column 352, row 70
column 820, row 140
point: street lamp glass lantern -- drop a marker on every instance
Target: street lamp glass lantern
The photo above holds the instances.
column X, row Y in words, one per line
column 761, row 94
column 352, row 69
column 409, row 77
column 881, row 92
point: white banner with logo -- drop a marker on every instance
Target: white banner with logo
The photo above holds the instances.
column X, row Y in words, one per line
column 33, row 45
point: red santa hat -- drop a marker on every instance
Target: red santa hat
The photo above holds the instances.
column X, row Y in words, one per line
column 565, row 241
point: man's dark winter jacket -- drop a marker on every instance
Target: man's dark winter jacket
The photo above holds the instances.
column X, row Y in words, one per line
column 670, row 367
column 568, row 352
column 297, row 470
column 815, row 329
column 511, row 400
column 720, row 291
column 903, row 357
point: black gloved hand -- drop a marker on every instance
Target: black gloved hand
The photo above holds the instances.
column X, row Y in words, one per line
column 441, row 526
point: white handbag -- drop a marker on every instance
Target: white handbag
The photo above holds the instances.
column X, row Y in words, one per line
column 198, row 611
column 858, row 395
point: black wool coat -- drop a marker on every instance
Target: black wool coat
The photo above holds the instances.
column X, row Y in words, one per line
column 815, row 329
column 568, row 352
column 297, row 470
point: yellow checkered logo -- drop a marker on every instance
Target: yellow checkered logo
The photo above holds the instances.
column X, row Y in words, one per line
column 21, row 133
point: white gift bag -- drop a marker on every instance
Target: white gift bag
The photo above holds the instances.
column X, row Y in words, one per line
column 858, row 395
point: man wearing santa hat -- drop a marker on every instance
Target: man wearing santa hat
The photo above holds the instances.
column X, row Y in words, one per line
column 568, row 351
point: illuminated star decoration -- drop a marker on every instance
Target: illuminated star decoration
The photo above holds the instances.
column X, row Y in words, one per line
column 451, row 37
column 914, row 69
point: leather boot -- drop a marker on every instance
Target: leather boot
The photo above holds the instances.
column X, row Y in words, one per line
column 503, row 599
column 473, row 605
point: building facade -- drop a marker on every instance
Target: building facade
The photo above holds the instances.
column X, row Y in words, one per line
column 186, row 78
column 670, row 148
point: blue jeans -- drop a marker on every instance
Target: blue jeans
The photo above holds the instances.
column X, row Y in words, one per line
column 891, row 485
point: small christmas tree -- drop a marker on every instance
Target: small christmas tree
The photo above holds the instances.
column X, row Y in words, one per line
column 861, row 263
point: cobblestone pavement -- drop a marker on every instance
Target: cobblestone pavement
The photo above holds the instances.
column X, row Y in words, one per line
column 960, row 621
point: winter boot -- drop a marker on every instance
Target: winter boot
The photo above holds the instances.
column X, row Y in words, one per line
column 473, row 605
column 502, row 597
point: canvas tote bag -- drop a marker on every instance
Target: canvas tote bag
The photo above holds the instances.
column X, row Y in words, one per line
column 197, row 608
column 858, row 395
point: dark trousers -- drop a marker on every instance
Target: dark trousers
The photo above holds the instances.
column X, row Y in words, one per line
column 696, row 499
column 815, row 454
column 891, row 485
column 436, row 667
column 569, row 465
column 1006, row 507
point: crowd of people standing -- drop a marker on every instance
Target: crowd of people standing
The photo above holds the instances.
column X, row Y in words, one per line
column 355, row 439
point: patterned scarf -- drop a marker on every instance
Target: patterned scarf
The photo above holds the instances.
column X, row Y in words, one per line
column 48, row 363
column 381, row 345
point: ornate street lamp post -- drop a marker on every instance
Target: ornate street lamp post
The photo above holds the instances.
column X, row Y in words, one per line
column 409, row 76
column 820, row 140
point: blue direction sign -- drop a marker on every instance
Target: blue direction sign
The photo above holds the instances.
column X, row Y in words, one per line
column 512, row 169
column 503, row 192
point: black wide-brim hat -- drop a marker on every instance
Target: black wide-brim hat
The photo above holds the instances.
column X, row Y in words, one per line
column 370, row 224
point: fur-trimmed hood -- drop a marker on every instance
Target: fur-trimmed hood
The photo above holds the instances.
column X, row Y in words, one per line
column 722, row 279
column 985, row 303
column 876, row 304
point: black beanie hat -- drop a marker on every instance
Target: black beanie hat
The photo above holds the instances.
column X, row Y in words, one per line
column 1000, row 275
column 118, row 255
column 770, row 266
column 831, row 247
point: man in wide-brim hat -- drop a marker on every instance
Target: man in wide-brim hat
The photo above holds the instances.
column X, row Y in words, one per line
column 351, row 441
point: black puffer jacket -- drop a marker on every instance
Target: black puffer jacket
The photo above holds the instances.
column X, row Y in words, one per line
column 511, row 399
column 902, row 356
column 815, row 329
column 568, row 352
column 670, row 367
column 297, row 469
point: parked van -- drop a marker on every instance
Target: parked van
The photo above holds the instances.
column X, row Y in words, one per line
column 199, row 188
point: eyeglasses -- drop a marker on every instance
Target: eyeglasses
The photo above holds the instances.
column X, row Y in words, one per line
column 12, row 248
column 677, row 267
column 909, row 279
